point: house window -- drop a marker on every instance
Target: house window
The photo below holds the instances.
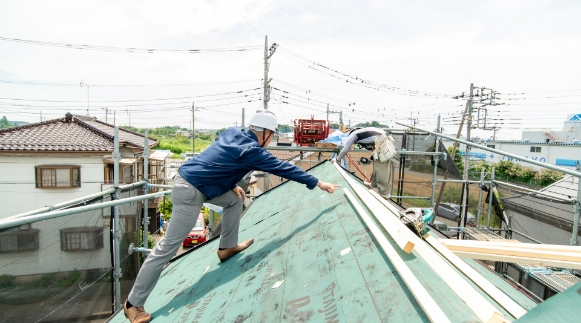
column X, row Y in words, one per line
column 58, row 176
column 491, row 146
column 83, row 238
column 535, row 149
column 23, row 239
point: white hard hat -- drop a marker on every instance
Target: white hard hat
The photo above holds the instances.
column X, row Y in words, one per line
column 264, row 119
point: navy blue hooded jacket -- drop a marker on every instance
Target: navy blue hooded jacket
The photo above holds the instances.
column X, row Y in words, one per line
column 236, row 152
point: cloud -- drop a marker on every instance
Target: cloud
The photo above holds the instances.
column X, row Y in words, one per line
column 196, row 18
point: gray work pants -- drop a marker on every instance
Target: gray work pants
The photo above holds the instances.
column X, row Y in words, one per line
column 187, row 202
column 382, row 177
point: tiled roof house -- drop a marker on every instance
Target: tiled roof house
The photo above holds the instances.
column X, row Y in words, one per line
column 55, row 161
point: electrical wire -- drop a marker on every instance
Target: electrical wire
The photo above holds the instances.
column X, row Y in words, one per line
column 130, row 49
column 348, row 78
column 125, row 85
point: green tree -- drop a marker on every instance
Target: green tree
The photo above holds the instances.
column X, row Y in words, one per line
column 284, row 128
column 166, row 207
column 371, row 124
column 4, row 123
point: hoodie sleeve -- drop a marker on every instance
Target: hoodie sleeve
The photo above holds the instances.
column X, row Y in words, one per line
column 260, row 159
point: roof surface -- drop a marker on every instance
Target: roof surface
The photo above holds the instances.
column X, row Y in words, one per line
column 566, row 186
column 82, row 133
column 313, row 260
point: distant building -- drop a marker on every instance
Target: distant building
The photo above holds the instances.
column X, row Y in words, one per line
column 558, row 148
column 571, row 132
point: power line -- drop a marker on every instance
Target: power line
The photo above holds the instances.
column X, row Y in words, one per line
column 125, row 85
column 138, row 100
column 129, row 49
column 348, row 78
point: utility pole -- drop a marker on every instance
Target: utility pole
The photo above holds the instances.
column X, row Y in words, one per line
column 266, row 94
column 467, row 155
column 327, row 112
column 242, row 123
column 129, row 114
column 40, row 116
column 268, row 52
column 87, row 86
column 106, row 113
column 454, row 147
column 193, row 132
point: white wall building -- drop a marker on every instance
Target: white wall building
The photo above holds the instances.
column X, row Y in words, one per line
column 55, row 161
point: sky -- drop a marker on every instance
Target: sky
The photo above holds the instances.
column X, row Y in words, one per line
column 388, row 61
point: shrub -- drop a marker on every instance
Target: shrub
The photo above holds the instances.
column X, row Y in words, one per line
column 71, row 278
column 6, row 280
column 548, row 176
column 47, row 280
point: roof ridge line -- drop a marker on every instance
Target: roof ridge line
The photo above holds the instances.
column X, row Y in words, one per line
column 87, row 126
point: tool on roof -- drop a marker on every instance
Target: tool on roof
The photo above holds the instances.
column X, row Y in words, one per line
column 416, row 218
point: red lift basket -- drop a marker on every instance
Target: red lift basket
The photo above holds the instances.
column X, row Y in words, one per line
column 309, row 131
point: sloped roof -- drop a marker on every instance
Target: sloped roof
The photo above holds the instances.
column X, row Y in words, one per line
column 127, row 137
column 566, row 186
column 313, row 260
column 80, row 134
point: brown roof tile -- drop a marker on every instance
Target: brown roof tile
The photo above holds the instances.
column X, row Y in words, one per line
column 81, row 134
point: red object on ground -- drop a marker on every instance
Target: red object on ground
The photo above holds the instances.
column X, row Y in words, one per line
column 198, row 234
column 309, row 131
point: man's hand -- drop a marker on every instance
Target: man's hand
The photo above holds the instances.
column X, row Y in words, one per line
column 239, row 191
column 327, row 187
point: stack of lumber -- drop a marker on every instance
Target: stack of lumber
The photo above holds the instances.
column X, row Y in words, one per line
column 388, row 218
column 516, row 252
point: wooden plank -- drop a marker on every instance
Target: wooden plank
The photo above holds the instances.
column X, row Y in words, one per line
column 402, row 236
column 430, row 307
column 502, row 299
column 388, row 219
column 518, row 252
column 528, row 246
column 519, row 260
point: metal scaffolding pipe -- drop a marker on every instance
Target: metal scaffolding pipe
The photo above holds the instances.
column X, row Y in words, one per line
column 577, row 210
column 72, row 202
column 480, row 198
column 160, row 186
column 557, row 197
column 435, row 175
column 60, row 213
column 63, row 204
column 521, row 158
column 490, row 194
column 145, row 219
column 410, row 197
column 116, row 231
column 457, row 181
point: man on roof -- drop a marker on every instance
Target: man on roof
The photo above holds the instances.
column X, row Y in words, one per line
column 212, row 177
column 383, row 147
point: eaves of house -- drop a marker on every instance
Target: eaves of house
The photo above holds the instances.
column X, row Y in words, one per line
column 72, row 134
column 313, row 260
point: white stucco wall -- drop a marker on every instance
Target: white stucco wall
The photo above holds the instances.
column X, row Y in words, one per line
column 49, row 258
column 17, row 182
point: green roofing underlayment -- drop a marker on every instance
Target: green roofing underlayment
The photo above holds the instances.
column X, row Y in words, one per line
column 313, row 260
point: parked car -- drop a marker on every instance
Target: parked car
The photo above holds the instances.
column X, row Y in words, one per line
column 452, row 212
column 443, row 228
column 198, row 234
